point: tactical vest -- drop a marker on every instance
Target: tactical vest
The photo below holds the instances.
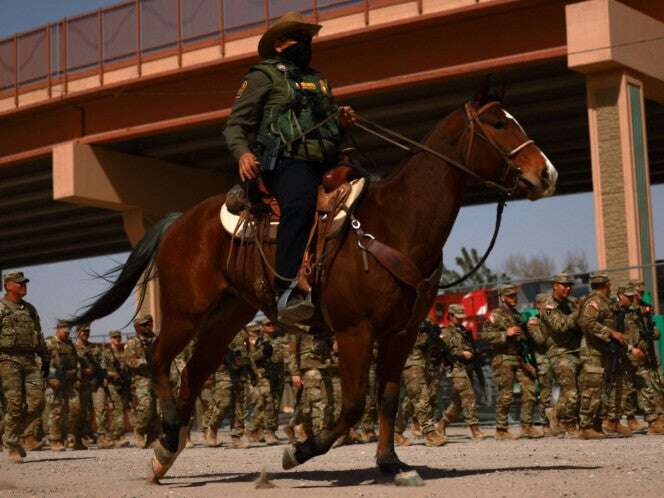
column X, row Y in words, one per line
column 63, row 356
column 296, row 103
column 18, row 332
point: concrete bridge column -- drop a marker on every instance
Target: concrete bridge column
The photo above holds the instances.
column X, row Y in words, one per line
column 621, row 179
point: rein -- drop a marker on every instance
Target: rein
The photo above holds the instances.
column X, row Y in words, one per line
column 475, row 129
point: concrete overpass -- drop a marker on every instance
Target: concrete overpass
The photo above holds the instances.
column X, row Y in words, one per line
column 113, row 118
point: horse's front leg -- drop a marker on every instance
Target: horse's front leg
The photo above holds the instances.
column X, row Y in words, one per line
column 355, row 346
column 392, row 353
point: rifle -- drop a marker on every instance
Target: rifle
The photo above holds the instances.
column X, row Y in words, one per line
column 526, row 347
column 616, row 351
column 478, row 361
column 647, row 332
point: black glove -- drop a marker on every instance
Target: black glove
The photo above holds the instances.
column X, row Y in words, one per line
column 267, row 349
column 45, row 368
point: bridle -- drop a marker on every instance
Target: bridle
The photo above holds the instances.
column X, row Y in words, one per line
column 511, row 172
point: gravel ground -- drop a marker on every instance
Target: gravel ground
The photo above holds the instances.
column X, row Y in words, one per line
column 547, row 467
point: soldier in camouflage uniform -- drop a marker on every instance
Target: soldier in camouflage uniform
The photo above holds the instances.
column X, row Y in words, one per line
column 644, row 381
column 502, row 330
column 310, row 366
column 263, row 423
column 218, row 401
column 62, row 396
column 558, row 323
column 243, row 379
column 414, row 381
column 93, row 388
column 118, row 389
column 597, row 322
column 21, row 340
column 543, row 344
column 458, row 340
column 138, row 356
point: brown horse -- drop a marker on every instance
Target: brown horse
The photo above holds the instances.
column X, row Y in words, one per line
column 412, row 212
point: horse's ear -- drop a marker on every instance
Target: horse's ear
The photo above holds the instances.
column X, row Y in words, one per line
column 482, row 95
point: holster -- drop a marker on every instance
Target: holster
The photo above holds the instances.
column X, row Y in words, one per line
column 271, row 147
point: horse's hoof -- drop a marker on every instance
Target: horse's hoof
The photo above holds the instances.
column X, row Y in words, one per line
column 288, row 460
column 162, row 460
column 409, row 478
column 155, row 470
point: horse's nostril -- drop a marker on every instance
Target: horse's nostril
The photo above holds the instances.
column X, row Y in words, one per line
column 545, row 174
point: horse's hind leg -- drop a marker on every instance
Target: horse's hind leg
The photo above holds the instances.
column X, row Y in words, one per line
column 213, row 336
column 355, row 347
column 393, row 350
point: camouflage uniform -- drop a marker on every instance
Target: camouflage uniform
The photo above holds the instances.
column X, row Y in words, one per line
column 217, row 398
column 542, row 344
column 416, row 389
column 118, row 390
column 21, row 340
column 312, row 361
column 92, row 392
column 558, row 324
column 263, row 355
column 597, row 321
column 457, row 339
column 507, row 366
column 243, row 379
column 138, row 356
column 63, row 402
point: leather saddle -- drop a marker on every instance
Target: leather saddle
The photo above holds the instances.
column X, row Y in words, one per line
column 340, row 188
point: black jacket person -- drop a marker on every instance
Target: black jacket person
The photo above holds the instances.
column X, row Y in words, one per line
column 280, row 100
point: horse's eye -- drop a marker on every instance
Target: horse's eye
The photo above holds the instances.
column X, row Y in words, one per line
column 499, row 125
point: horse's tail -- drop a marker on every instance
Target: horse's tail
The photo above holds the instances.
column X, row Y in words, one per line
column 128, row 275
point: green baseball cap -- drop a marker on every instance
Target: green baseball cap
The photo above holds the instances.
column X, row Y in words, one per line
column 16, row 276
column 562, row 278
column 509, row 290
column 599, row 277
column 457, row 310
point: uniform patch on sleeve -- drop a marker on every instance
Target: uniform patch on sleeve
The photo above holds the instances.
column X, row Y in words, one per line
column 243, row 87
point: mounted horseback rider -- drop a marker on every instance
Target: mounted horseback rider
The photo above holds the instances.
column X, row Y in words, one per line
column 285, row 128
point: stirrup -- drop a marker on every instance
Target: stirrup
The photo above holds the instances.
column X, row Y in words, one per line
column 298, row 311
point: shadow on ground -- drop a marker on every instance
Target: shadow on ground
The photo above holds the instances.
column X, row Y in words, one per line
column 354, row 477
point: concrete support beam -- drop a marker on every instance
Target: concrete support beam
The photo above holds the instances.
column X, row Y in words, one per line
column 621, row 186
column 604, row 35
column 144, row 189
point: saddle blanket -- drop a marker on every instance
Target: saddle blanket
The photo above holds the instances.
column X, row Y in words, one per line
column 231, row 221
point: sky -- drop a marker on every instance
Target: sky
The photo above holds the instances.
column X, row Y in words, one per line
column 549, row 226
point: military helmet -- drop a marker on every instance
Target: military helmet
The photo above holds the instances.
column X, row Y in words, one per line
column 563, row 278
column 84, row 327
column 508, row 290
column 115, row 333
column 599, row 277
column 456, row 310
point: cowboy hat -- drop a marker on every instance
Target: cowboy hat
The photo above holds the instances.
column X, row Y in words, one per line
column 291, row 22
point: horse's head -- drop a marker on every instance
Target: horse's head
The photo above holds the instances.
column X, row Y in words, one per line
column 499, row 150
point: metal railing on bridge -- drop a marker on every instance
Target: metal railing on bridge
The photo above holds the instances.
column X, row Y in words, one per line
column 133, row 32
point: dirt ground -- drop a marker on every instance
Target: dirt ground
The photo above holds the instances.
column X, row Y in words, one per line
column 547, row 467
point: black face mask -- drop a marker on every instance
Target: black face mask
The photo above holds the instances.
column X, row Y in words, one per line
column 298, row 53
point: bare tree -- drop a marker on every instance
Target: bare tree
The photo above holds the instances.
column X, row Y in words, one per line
column 466, row 261
column 520, row 266
column 575, row 262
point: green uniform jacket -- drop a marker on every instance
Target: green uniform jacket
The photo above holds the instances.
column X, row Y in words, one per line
column 276, row 100
column 559, row 322
column 597, row 321
column 458, row 340
column 494, row 330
